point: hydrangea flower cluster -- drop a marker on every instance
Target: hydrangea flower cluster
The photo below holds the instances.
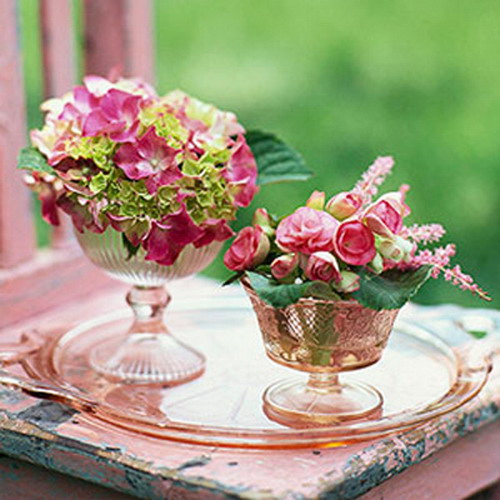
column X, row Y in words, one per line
column 165, row 171
column 339, row 241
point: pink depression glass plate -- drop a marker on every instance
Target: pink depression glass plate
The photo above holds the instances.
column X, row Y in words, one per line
column 419, row 376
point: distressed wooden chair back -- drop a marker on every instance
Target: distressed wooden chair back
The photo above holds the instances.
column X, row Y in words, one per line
column 117, row 34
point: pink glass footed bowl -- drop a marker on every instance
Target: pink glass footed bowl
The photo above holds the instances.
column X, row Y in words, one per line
column 322, row 338
column 147, row 352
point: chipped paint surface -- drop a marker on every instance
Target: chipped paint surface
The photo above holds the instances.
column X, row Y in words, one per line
column 51, row 435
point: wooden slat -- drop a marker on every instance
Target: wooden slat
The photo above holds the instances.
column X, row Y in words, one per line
column 59, row 74
column 53, row 278
column 17, row 237
column 118, row 37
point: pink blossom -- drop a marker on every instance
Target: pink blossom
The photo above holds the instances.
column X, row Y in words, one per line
column 168, row 237
column 367, row 187
column 248, row 250
column 77, row 109
column 117, row 116
column 242, row 171
column 323, row 266
column 44, row 186
column 213, row 230
column 426, row 233
column 307, row 231
column 344, row 205
column 440, row 258
column 284, row 265
column 84, row 213
column 382, row 218
column 354, row 243
column 150, row 158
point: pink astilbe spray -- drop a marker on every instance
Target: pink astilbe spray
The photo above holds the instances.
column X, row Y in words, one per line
column 367, row 187
column 425, row 233
column 439, row 258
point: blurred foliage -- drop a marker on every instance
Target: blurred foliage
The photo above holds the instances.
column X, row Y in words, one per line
column 345, row 82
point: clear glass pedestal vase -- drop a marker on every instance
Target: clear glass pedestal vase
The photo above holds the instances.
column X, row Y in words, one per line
column 148, row 352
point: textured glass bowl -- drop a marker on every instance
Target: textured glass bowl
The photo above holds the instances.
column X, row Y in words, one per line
column 322, row 338
column 147, row 352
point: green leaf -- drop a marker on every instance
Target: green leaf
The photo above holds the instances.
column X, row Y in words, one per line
column 322, row 290
column 131, row 249
column 478, row 334
column 234, row 277
column 280, row 295
column 276, row 161
column 276, row 294
column 31, row 159
column 391, row 289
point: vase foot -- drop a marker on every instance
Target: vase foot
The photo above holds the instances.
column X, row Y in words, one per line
column 147, row 358
column 296, row 404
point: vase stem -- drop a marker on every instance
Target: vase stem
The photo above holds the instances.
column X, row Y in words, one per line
column 325, row 382
column 148, row 305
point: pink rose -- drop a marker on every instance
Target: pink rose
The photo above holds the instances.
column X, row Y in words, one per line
column 307, row 231
column 248, row 250
column 323, row 266
column 284, row 265
column 382, row 218
column 354, row 243
column 343, row 205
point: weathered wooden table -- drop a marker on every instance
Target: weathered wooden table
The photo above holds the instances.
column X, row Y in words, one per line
column 46, row 445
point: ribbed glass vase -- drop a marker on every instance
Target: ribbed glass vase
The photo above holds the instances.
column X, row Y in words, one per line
column 148, row 352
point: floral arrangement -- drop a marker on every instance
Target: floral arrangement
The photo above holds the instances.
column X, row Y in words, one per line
column 351, row 247
column 165, row 171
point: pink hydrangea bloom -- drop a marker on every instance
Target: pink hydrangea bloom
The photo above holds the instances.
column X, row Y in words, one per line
column 169, row 236
column 149, row 158
column 242, row 172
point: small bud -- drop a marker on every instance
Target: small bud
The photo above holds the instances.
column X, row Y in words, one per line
column 262, row 218
column 343, row 205
column 262, row 250
column 284, row 265
column 377, row 264
column 394, row 249
column 316, row 200
column 348, row 283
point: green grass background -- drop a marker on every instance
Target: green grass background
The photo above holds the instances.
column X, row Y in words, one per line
column 344, row 82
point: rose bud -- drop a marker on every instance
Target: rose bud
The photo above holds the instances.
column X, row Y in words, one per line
column 377, row 263
column 397, row 200
column 344, row 204
column 349, row 282
column 395, row 249
column 284, row 266
column 383, row 219
column 262, row 218
column 306, row 231
column 323, row 266
column 354, row 243
column 248, row 250
column 316, row 200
